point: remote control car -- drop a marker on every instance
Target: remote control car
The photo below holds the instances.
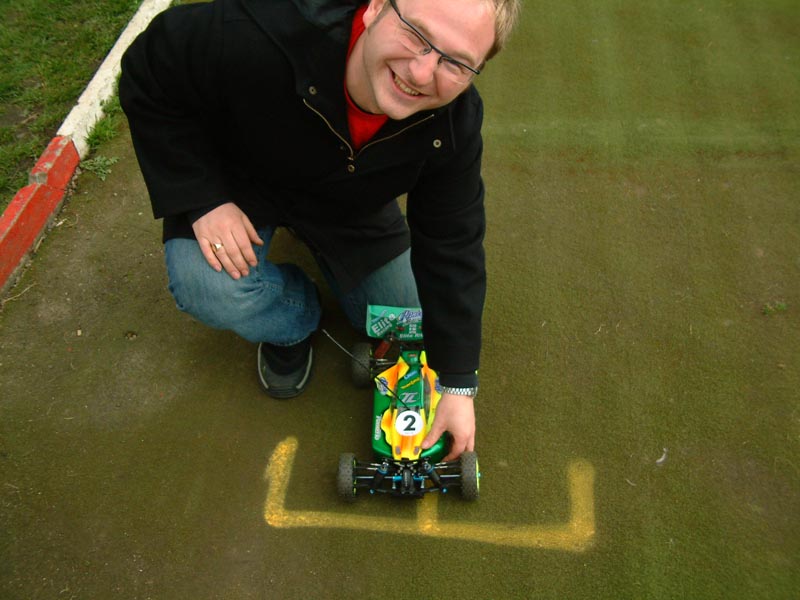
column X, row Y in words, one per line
column 405, row 395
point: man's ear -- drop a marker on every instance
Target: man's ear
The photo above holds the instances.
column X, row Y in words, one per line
column 373, row 10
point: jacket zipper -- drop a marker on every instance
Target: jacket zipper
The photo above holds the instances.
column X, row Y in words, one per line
column 352, row 155
column 395, row 134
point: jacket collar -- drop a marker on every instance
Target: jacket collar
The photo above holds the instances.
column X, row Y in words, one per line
column 317, row 54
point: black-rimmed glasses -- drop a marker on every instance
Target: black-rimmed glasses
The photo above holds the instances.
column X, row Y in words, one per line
column 415, row 42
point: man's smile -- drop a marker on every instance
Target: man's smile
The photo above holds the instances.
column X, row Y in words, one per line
column 404, row 87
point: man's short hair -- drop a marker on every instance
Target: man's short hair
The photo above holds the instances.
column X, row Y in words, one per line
column 506, row 17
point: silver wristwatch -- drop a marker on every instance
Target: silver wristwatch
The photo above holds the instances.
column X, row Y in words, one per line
column 460, row 391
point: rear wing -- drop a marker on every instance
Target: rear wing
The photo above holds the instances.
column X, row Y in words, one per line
column 401, row 323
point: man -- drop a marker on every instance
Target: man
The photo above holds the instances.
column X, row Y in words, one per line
column 317, row 115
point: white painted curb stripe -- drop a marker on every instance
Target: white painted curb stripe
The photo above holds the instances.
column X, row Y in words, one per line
column 89, row 109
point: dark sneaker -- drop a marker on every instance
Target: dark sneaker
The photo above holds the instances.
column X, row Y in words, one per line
column 285, row 371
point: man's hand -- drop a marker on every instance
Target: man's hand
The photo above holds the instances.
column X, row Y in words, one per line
column 226, row 237
column 455, row 414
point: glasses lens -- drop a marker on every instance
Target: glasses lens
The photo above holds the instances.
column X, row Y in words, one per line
column 413, row 42
column 416, row 44
column 455, row 71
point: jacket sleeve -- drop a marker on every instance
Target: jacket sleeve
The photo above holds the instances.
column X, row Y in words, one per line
column 168, row 94
column 447, row 223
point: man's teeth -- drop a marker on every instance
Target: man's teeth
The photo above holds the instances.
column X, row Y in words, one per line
column 404, row 87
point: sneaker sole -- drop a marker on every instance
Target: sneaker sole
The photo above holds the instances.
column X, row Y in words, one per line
column 288, row 390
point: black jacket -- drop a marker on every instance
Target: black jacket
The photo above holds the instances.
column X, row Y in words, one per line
column 243, row 101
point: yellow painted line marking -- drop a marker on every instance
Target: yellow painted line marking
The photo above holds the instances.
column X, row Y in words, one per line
column 576, row 535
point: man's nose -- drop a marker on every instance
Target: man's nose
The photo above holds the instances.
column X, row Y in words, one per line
column 423, row 68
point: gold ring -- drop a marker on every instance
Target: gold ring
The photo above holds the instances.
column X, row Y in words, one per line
column 217, row 247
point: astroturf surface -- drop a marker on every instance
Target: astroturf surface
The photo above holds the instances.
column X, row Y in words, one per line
column 644, row 253
column 641, row 325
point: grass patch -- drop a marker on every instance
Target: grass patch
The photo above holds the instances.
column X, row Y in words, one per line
column 770, row 308
column 99, row 165
column 107, row 127
column 51, row 49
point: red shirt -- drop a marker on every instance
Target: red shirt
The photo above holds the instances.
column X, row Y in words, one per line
column 363, row 125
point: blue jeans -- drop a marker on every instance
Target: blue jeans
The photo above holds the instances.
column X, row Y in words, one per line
column 275, row 303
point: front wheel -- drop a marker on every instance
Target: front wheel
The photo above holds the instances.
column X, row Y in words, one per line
column 361, row 365
column 470, row 476
column 346, row 478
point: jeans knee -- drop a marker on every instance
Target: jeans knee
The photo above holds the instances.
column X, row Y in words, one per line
column 275, row 303
column 194, row 296
column 197, row 289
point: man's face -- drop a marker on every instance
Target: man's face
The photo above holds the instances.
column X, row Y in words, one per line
column 385, row 77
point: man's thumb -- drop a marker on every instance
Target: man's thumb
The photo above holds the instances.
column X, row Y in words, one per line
column 433, row 436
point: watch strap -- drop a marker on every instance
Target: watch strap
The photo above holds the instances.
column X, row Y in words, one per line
column 460, row 391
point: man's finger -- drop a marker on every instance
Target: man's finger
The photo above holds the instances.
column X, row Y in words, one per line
column 207, row 248
column 433, row 435
column 252, row 234
column 245, row 246
column 223, row 256
column 456, row 449
column 236, row 246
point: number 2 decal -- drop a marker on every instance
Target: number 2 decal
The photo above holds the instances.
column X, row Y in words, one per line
column 408, row 423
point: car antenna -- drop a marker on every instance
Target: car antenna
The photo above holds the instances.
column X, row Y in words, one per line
column 365, row 367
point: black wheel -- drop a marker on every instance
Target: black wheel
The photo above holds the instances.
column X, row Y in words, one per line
column 470, row 476
column 346, row 478
column 361, row 365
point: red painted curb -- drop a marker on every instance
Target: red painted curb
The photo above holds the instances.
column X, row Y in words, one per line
column 57, row 164
column 28, row 214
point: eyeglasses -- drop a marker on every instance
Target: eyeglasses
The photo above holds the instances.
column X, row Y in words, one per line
column 415, row 42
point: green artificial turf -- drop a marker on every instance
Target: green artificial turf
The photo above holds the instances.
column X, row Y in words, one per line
column 643, row 172
column 633, row 79
column 643, row 250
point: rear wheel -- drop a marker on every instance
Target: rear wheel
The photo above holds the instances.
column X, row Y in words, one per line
column 470, row 476
column 361, row 365
column 346, row 477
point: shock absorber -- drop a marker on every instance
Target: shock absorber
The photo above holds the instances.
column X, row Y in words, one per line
column 427, row 469
column 383, row 347
column 380, row 473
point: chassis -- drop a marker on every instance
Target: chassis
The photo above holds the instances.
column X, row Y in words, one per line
column 405, row 396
